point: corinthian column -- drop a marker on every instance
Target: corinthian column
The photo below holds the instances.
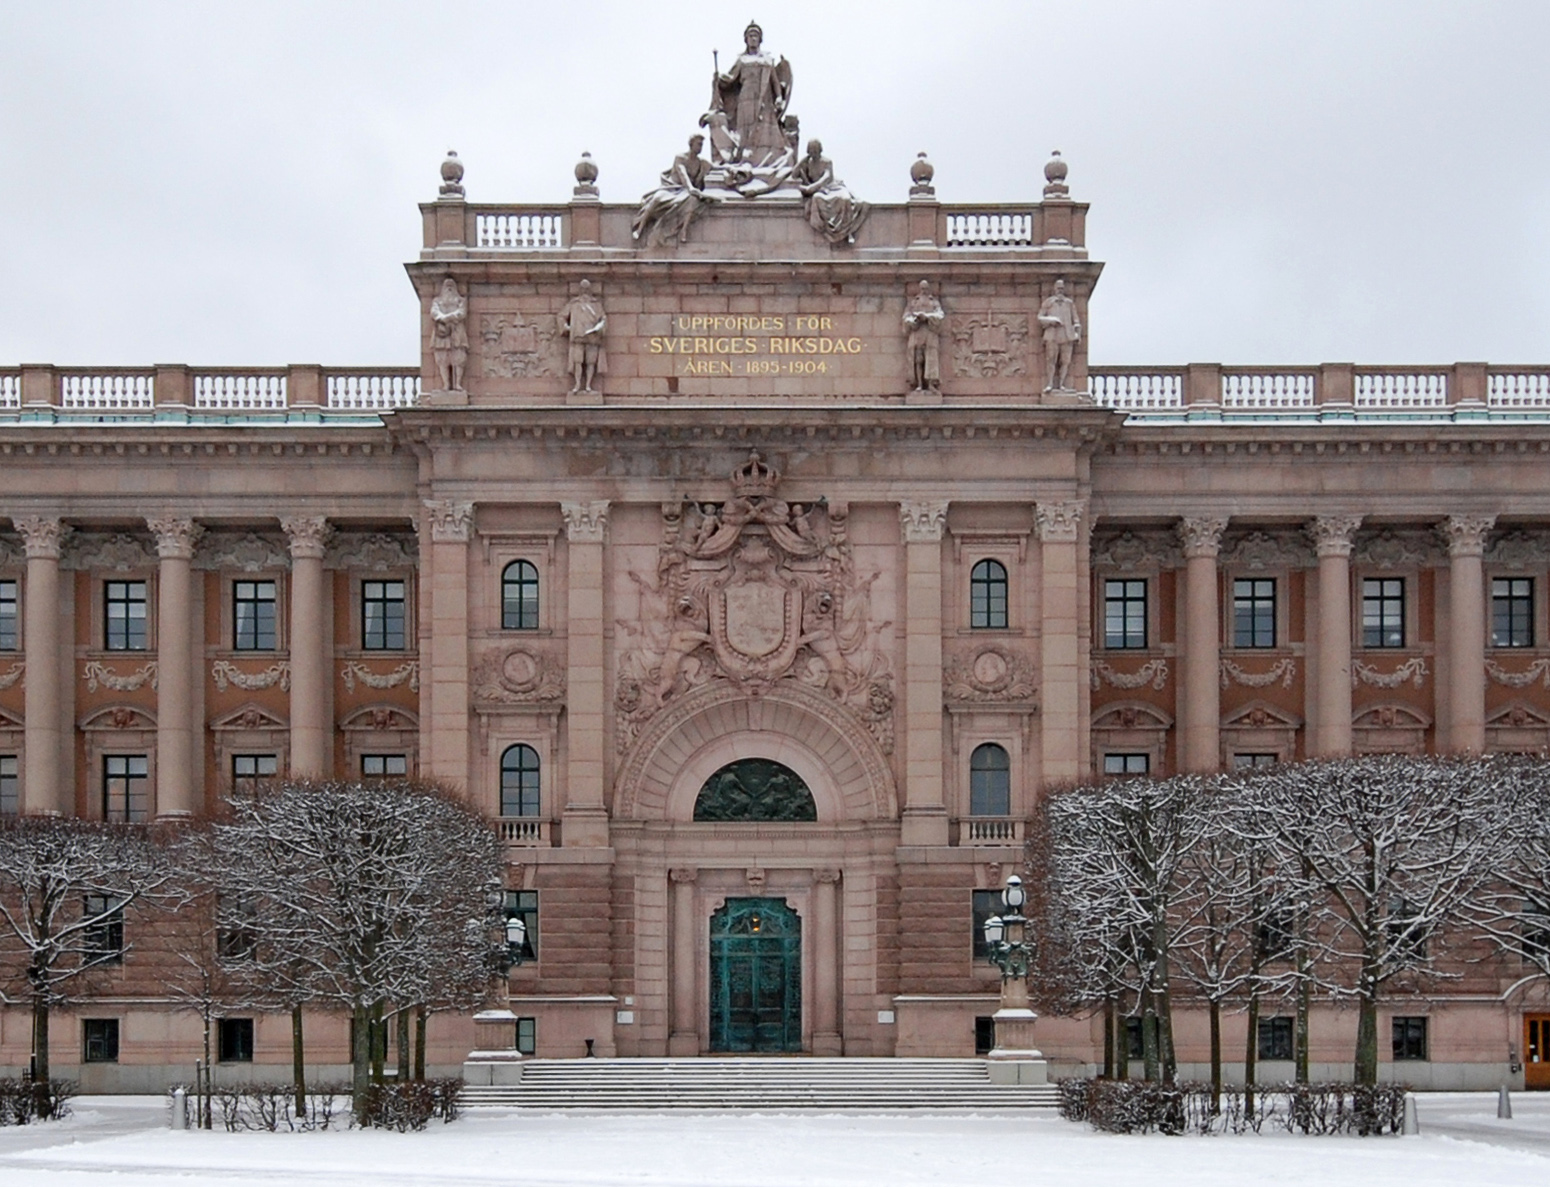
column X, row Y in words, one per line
column 925, row 809
column 586, row 817
column 1333, row 538
column 1060, row 661
column 175, row 627
column 1466, row 640
column 685, row 1038
column 311, row 730
column 43, row 793
column 452, row 525
column 1201, row 709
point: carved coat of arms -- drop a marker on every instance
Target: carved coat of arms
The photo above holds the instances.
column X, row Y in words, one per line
column 513, row 348
column 753, row 590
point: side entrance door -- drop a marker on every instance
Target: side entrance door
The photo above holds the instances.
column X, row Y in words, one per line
column 1536, row 1050
column 755, row 977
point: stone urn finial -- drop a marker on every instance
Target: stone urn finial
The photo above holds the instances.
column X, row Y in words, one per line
column 1055, row 177
column 451, row 176
column 921, row 173
column 586, row 176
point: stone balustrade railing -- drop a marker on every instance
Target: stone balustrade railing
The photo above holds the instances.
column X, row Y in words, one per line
column 524, row 832
column 215, row 390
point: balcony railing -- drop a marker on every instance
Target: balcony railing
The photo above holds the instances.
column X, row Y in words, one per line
column 524, row 831
column 10, row 389
column 524, row 230
column 990, row 829
column 116, row 389
column 240, row 391
column 373, row 389
column 1137, row 388
column 990, row 228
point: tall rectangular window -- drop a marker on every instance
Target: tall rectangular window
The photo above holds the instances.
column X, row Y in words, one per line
column 986, row 904
column 103, row 941
column 10, row 785
column 236, row 1040
column 99, row 1040
column 527, row 1036
column 1127, row 764
column 249, row 770
column 384, row 766
column 1275, row 1038
column 1254, row 612
column 9, row 616
column 1512, row 612
column 523, row 905
column 124, row 617
column 1383, row 612
column 1410, row 1039
column 253, row 616
column 383, row 617
column 126, row 787
column 1124, row 614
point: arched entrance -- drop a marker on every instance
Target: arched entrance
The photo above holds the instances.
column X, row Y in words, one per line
column 755, row 976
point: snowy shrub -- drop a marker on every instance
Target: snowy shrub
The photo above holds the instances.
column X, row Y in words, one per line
column 1140, row 1106
column 23, row 1102
column 270, row 1108
column 409, row 1106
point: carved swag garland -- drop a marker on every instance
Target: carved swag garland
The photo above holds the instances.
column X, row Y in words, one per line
column 754, row 590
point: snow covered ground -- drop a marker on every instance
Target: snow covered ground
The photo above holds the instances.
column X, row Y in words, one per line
column 121, row 1141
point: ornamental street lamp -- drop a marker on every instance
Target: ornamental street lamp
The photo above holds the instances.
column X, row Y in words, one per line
column 496, row 1027
column 1014, row 1059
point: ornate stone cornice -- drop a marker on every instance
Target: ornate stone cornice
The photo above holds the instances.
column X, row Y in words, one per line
column 923, row 522
column 42, row 536
column 585, row 523
column 452, row 521
column 1520, row 548
column 1334, row 535
column 1391, row 549
column 1268, row 550
column 1466, row 534
column 1201, row 535
column 247, row 553
column 1132, row 550
column 175, row 538
column 308, row 535
column 119, row 552
column 377, row 551
column 1059, row 522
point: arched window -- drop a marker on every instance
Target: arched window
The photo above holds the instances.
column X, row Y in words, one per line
column 990, row 781
column 519, row 781
column 519, row 597
column 987, row 596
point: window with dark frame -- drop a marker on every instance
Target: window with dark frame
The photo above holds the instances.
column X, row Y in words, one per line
column 103, row 935
column 519, row 596
column 10, row 636
column 1124, row 614
column 99, row 1040
column 523, row 905
column 1254, row 612
column 253, row 616
column 1127, row 764
column 1274, row 935
column 1410, row 1039
column 984, row 1034
column 990, row 781
column 1275, row 1038
column 384, row 616
column 384, row 766
column 125, row 616
column 1383, row 612
column 1254, row 762
column 10, row 785
column 236, row 939
column 987, row 596
column 527, row 1036
column 1135, row 1036
column 985, row 904
column 126, row 788
column 1406, row 935
column 1512, row 612
column 236, row 1040
column 519, row 781
column 250, row 770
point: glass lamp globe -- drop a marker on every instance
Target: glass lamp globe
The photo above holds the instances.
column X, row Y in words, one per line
column 1014, row 896
column 995, row 930
column 516, row 933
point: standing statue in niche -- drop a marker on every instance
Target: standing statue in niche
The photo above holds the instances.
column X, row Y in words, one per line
column 584, row 322
column 1062, row 331
column 753, row 96
column 831, row 208
column 449, row 335
column 922, row 326
column 666, row 212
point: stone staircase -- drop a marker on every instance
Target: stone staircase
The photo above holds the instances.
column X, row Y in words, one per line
column 758, row 1083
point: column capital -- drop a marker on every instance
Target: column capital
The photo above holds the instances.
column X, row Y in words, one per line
column 175, row 538
column 585, row 523
column 1201, row 535
column 1059, row 522
column 827, row 877
column 1333, row 535
column 42, row 536
column 1465, row 534
column 923, row 522
column 683, row 874
column 308, row 535
column 452, row 522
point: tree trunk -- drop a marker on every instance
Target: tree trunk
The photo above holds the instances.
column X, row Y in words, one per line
column 360, row 1054
column 1149, row 1052
column 1216, row 1056
column 1121, row 1039
column 43, row 1099
column 207, row 1120
column 1367, row 1028
column 403, row 1047
column 420, row 1015
column 1109, row 1024
column 378, row 1031
column 298, row 1062
column 1300, row 1037
column 1251, row 1054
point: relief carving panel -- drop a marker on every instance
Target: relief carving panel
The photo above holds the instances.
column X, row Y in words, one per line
column 990, row 345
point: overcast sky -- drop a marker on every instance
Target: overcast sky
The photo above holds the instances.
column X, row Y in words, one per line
column 224, row 183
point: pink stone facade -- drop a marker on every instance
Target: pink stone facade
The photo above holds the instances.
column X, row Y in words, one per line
column 357, row 500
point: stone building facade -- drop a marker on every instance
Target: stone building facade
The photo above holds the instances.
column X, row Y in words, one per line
column 745, row 605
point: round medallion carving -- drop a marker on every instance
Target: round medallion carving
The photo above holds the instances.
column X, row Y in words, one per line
column 520, row 671
column 991, row 671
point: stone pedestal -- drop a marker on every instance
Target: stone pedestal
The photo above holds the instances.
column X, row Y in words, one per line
column 497, row 1060
column 1015, row 1060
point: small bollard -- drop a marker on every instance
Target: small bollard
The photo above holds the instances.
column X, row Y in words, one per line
column 1412, row 1127
column 1503, row 1104
column 179, row 1108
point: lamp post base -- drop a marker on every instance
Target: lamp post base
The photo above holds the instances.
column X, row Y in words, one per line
column 1015, row 1060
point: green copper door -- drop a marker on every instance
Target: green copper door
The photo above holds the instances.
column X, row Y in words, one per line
column 755, row 976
